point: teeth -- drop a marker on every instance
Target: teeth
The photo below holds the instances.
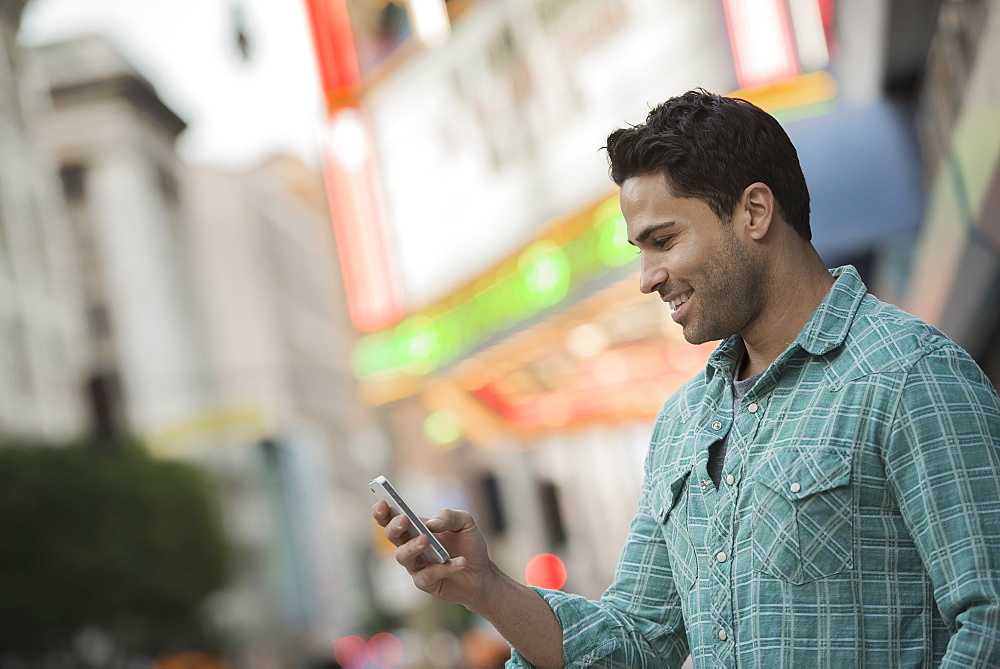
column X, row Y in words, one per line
column 679, row 301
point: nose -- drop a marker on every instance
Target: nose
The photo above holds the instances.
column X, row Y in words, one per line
column 652, row 273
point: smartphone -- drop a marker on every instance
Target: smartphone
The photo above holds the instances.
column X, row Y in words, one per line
column 383, row 490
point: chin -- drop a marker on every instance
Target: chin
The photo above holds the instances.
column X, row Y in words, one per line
column 692, row 336
column 695, row 335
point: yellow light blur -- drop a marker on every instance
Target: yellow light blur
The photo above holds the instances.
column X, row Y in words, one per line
column 805, row 89
column 587, row 340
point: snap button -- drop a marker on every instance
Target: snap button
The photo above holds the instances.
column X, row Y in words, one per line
column 752, row 407
column 730, row 479
column 722, row 635
column 721, row 556
column 717, row 425
column 795, row 487
column 704, row 484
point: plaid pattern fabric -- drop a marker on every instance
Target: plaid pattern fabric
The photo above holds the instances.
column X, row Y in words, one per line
column 857, row 523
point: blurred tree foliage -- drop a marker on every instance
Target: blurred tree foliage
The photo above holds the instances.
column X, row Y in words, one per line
column 108, row 540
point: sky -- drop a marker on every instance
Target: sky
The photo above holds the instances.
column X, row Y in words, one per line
column 238, row 112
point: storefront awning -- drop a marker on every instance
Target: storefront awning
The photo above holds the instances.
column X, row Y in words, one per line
column 863, row 170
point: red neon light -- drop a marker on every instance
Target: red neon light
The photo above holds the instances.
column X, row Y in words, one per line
column 826, row 11
column 651, row 373
column 371, row 282
column 760, row 34
column 336, row 56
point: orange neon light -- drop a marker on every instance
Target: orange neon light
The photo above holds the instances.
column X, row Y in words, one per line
column 336, row 56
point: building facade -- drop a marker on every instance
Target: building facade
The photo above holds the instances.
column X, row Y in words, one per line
column 42, row 346
column 955, row 275
column 115, row 139
column 285, row 428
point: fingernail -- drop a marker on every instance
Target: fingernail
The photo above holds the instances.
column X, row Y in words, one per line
column 433, row 523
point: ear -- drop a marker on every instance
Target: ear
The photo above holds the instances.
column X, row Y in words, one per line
column 756, row 210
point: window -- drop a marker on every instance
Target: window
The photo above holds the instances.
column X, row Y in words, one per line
column 73, row 177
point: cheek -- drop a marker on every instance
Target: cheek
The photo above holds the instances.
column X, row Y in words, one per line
column 685, row 261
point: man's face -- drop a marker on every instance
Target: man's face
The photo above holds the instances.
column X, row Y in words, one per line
column 700, row 267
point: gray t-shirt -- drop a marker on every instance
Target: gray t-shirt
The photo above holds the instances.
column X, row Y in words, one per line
column 717, row 451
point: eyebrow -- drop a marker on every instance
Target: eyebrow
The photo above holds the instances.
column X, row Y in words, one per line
column 642, row 236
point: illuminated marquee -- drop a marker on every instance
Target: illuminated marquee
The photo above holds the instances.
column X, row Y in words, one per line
column 540, row 276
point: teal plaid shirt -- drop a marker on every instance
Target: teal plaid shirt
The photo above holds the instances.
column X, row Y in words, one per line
column 857, row 523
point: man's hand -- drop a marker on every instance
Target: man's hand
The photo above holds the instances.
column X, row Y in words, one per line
column 466, row 578
column 471, row 579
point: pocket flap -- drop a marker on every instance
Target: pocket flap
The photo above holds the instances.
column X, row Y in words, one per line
column 796, row 473
column 667, row 492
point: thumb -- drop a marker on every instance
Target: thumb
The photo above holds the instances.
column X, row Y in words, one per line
column 447, row 520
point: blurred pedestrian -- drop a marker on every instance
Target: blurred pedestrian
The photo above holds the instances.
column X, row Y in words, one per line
column 826, row 492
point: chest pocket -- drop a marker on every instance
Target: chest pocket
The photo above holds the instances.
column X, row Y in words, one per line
column 671, row 496
column 803, row 520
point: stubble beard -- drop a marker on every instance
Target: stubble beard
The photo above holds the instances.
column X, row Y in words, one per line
column 730, row 294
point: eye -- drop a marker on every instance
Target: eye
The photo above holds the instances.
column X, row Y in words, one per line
column 663, row 242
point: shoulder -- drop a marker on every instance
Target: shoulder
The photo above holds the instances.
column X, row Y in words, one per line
column 933, row 368
column 884, row 339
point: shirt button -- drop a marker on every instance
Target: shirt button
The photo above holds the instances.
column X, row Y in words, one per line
column 717, row 425
column 721, row 556
column 752, row 407
column 704, row 484
column 795, row 487
column 730, row 479
column 722, row 635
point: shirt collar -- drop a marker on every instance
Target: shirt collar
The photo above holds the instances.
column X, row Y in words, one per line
column 825, row 330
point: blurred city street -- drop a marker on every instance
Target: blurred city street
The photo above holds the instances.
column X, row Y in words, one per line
column 254, row 254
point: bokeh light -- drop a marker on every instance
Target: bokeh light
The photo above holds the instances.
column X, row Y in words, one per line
column 351, row 652
column 385, row 650
column 545, row 571
column 441, row 429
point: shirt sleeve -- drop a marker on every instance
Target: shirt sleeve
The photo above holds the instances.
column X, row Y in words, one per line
column 943, row 464
column 637, row 622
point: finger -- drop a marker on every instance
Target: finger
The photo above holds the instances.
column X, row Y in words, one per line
column 410, row 553
column 397, row 528
column 425, row 579
column 449, row 520
column 381, row 513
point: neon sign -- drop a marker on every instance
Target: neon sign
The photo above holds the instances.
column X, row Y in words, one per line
column 540, row 276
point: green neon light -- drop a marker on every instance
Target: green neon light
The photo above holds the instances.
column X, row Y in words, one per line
column 545, row 272
column 440, row 429
column 541, row 276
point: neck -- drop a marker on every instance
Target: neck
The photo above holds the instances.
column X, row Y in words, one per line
column 794, row 291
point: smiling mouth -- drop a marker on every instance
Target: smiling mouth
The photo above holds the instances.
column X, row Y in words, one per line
column 676, row 303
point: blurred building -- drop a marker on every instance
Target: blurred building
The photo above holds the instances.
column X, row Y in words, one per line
column 42, row 350
column 955, row 276
column 115, row 139
column 217, row 333
column 528, row 367
column 287, row 429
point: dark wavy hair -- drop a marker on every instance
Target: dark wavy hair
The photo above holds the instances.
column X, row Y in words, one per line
column 712, row 147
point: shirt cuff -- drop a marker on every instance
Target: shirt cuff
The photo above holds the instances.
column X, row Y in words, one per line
column 587, row 635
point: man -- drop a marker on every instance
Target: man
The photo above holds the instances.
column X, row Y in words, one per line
column 826, row 492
